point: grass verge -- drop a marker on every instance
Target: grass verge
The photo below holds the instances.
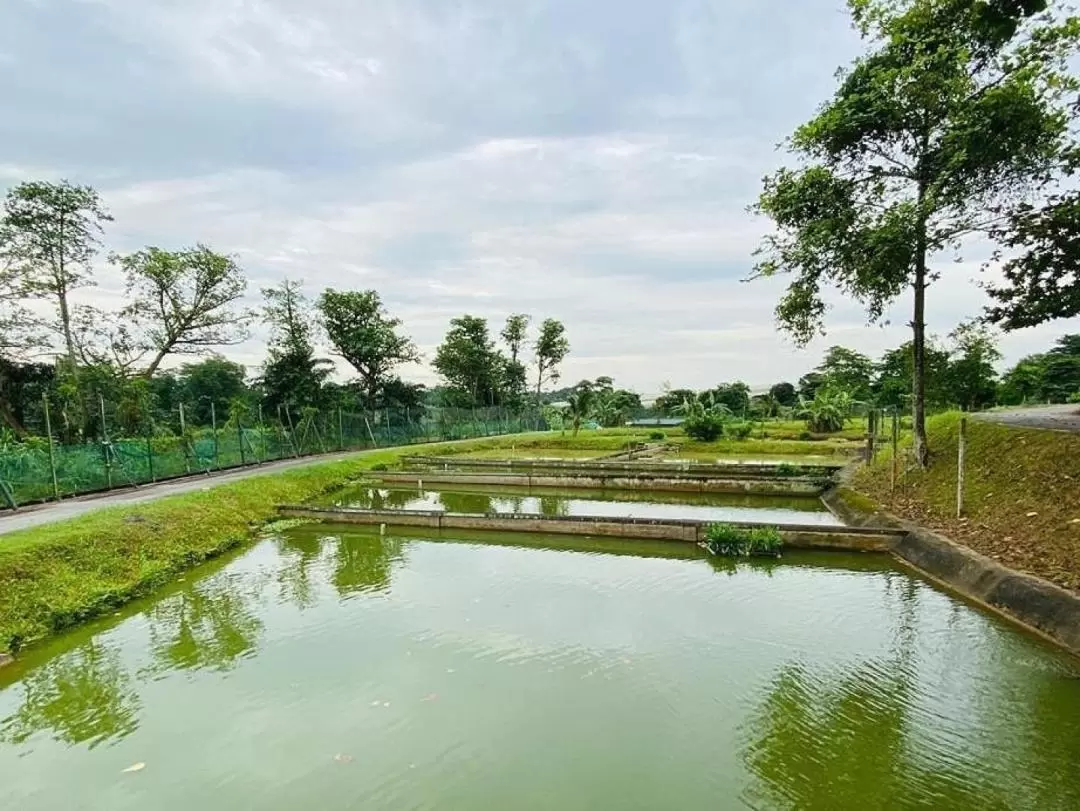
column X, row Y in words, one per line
column 1022, row 494
column 57, row 575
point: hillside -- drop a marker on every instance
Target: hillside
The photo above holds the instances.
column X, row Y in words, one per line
column 1022, row 494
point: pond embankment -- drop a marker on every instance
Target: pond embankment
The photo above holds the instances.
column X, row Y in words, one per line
column 57, row 575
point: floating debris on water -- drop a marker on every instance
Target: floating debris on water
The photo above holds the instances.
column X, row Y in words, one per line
column 134, row 767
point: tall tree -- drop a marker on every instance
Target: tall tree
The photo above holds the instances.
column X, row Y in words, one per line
column 849, row 370
column 736, row 396
column 49, row 233
column 292, row 375
column 187, row 301
column 784, row 394
column 551, row 348
column 366, row 336
column 515, row 333
column 970, row 376
column 958, row 108
column 469, row 362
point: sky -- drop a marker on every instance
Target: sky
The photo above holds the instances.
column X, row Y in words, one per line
column 589, row 161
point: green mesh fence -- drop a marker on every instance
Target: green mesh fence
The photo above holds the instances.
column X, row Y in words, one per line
column 31, row 471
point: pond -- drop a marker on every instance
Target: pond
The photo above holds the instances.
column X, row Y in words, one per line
column 327, row 668
column 480, row 500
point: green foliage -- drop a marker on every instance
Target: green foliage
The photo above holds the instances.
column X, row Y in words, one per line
column 474, row 370
column 366, row 336
column 738, row 430
column 214, row 381
column 657, row 436
column 49, row 233
column 551, row 348
column 732, row 541
column 788, row 469
column 1050, row 377
column 847, row 370
column 185, row 301
column 947, row 116
column 579, row 406
column 828, row 412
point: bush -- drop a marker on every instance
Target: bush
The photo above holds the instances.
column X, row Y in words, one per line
column 738, row 430
column 787, row 469
column 732, row 541
column 657, row 435
column 704, row 427
column 380, row 466
column 805, row 436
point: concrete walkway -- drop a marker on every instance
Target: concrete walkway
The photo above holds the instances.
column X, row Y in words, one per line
column 1050, row 417
column 38, row 514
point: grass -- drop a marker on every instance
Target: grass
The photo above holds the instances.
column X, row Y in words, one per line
column 57, row 575
column 727, row 540
column 1022, row 494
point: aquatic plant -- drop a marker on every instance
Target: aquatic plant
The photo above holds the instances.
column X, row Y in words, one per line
column 733, row 541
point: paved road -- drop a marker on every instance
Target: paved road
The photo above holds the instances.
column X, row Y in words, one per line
column 1053, row 417
column 39, row 514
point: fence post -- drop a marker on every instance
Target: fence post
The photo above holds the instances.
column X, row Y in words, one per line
column 213, row 427
column 184, row 440
column 292, row 433
column 960, row 451
column 340, row 431
column 895, row 447
column 262, row 434
column 871, row 434
column 150, row 458
column 240, row 436
column 52, row 453
column 105, row 443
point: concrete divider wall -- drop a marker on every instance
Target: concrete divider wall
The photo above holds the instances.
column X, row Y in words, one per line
column 567, row 481
column 797, row 537
column 720, row 469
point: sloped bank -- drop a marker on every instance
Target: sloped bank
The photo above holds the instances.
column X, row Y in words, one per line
column 58, row 575
column 1016, row 549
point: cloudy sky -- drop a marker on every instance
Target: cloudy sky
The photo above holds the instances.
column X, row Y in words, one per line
column 590, row 161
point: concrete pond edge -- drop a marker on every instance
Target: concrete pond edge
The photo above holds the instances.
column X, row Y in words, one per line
column 1037, row 605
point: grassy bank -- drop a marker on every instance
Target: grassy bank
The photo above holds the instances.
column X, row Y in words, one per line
column 57, row 575
column 1022, row 496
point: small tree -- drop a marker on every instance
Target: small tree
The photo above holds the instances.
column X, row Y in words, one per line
column 366, row 336
column 292, row 374
column 49, row 233
column 551, row 349
column 579, row 405
column 958, row 109
column 185, row 301
column 970, row 376
column 828, row 412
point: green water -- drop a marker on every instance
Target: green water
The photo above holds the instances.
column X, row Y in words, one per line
column 622, row 503
column 331, row 669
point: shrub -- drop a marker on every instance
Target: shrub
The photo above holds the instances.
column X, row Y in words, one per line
column 805, row 436
column 788, row 469
column 657, row 435
column 380, row 466
column 738, row 430
column 704, row 427
column 732, row 541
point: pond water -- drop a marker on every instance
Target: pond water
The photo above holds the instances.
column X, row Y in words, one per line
column 608, row 503
column 328, row 669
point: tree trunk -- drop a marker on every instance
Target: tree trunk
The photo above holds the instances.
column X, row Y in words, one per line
column 154, row 364
column 918, row 351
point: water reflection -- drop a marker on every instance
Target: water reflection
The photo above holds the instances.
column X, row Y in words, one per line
column 363, row 563
column 82, row 696
column 210, row 625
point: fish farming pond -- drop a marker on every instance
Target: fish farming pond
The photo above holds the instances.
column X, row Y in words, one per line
column 337, row 666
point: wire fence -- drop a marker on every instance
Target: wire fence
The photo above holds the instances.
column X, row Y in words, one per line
column 40, row 468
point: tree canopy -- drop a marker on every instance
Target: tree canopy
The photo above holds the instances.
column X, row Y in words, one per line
column 958, row 108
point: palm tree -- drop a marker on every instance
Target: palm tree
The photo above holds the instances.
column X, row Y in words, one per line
column 828, row 411
column 579, row 406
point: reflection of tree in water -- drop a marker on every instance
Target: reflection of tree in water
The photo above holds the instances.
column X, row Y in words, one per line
column 82, row 696
column 863, row 738
column 299, row 549
column 363, row 563
column 207, row 626
column 471, row 503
